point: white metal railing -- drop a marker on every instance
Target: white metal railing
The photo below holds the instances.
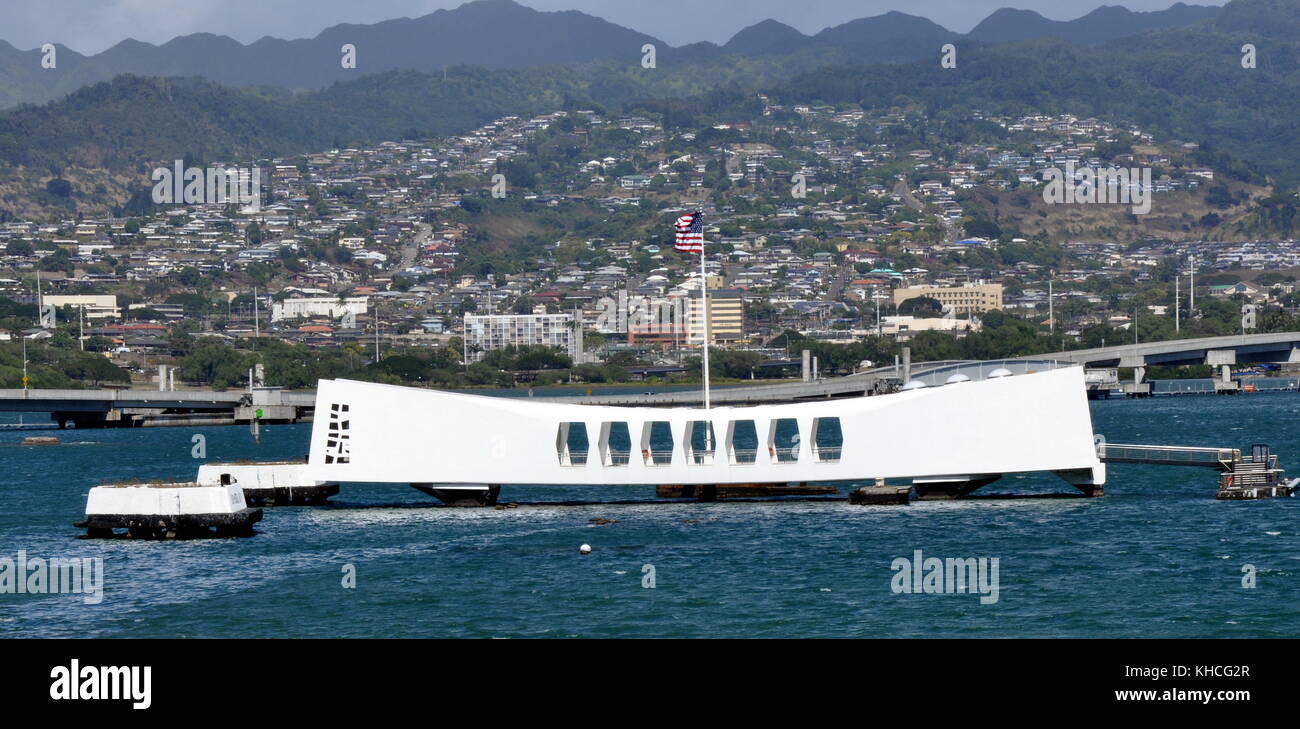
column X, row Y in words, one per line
column 1192, row 455
column 829, row 453
column 786, row 455
column 935, row 374
column 701, row 457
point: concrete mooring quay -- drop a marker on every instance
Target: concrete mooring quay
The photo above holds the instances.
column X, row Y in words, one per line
column 121, row 408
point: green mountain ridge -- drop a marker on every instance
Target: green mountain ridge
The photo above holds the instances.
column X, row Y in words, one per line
column 501, row 34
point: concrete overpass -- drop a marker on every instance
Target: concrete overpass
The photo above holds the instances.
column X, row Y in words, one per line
column 127, row 408
column 144, row 408
column 134, row 408
column 1276, row 347
column 1216, row 351
column 1222, row 352
column 881, row 379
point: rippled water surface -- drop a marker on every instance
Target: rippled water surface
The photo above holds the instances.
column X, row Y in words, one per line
column 1156, row 556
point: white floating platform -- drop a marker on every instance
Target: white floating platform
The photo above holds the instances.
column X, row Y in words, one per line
column 269, row 483
column 168, row 511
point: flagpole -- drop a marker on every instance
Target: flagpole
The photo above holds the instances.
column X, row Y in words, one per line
column 687, row 225
column 704, row 299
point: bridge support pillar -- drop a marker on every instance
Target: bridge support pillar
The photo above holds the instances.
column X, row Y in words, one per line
column 1216, row 357
column 1295, row 355
column 88, row 419
column 1139, row 365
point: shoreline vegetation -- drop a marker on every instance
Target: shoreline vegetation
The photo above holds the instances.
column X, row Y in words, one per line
column 205, row 361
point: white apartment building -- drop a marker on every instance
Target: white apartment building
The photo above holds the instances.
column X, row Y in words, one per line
column 485, row 333
column 327, row 306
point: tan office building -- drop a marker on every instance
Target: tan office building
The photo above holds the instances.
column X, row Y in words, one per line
column 969, row 299
column 96, row 306
column 726, row 317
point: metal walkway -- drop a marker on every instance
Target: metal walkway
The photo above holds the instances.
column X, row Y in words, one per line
column 1254, row 476
column 1156, row 455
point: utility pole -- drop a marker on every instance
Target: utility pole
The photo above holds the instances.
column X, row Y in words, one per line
column 1191, row 285
column 257, row 330
column 1051, row 305
column 1177, row 279
column 252, row 421
column 81, row 327
column 577, row 338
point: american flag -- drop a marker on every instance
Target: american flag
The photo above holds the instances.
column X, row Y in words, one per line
column 690, row 233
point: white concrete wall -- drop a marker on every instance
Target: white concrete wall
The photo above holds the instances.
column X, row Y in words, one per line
column 1033, row 422
column 257, row 475
column 169, row 499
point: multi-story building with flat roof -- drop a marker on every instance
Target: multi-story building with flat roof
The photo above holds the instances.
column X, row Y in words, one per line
column 96, row 306
column 967, row 299
column 726, row 317
column 324, row 306
column 485, row 333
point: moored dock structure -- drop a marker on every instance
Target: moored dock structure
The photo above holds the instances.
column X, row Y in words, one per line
column 269, row 483
column 1242, row 477
column 167, row 511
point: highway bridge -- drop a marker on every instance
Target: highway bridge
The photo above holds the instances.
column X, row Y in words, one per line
column 879, row 380
column 1217, row 351
column 1222, row 352
column 1277, row 347
column 134, row 408
column 121, row 408
column 146, row 408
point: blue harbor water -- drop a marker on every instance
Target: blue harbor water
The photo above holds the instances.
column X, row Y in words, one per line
column 1157, row 556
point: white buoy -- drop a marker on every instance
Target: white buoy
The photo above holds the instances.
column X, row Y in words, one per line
column 585, row 549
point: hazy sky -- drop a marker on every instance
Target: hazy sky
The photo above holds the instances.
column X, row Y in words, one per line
column 90, row 26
